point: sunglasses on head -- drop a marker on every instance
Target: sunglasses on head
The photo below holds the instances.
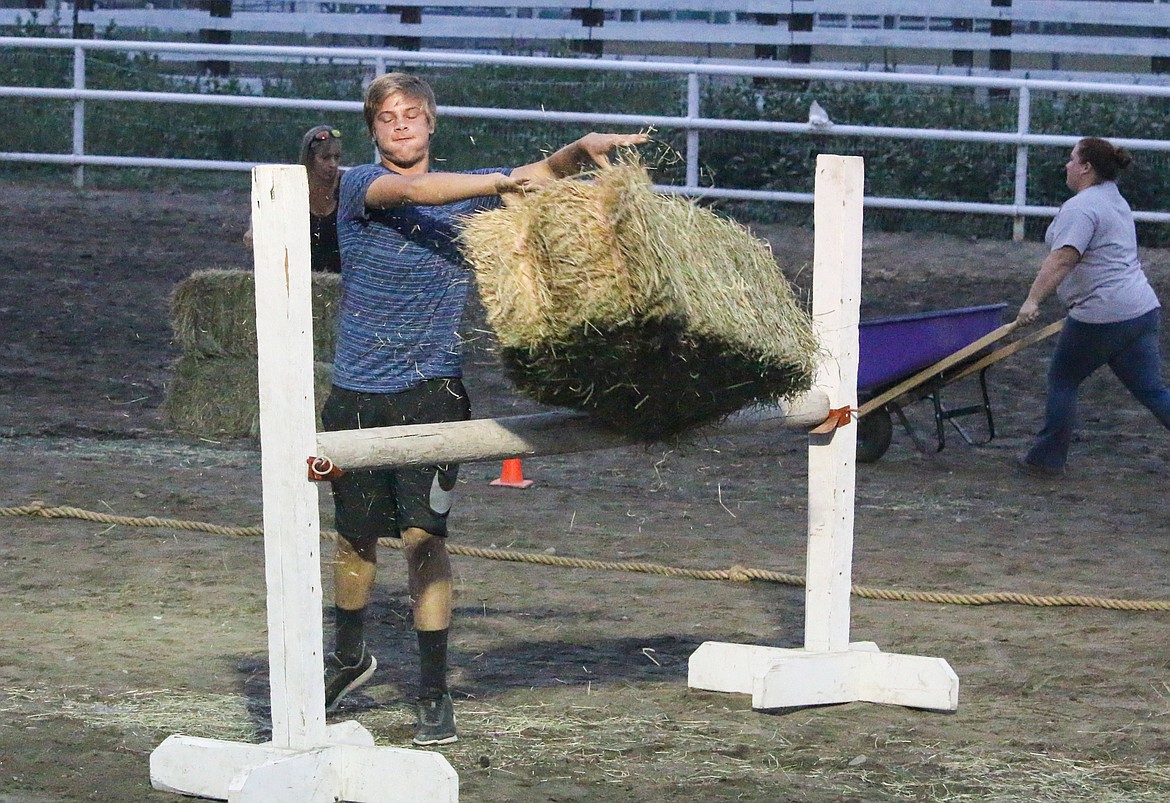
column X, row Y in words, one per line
column 321, row 136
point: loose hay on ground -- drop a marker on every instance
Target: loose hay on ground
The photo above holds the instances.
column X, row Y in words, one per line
column 644, row 746
column 212, row 716
column 645, row 310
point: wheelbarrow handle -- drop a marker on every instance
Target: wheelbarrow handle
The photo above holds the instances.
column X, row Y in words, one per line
column 926, row 373
column 1009, row 350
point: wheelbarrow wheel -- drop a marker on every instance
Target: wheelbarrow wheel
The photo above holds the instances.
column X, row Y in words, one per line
column 875, row 430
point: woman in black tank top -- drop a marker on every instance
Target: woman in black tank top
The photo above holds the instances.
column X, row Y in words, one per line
column 326, row 251
column 321, row 156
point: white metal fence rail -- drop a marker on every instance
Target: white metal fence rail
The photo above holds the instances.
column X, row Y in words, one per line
column 1036, row 31
column 694, row 123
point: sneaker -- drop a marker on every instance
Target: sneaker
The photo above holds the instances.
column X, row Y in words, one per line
column 436, row 721
column 341, row 679
column 1037, row 470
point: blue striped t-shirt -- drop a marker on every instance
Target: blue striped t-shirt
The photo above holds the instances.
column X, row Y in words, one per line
column 404, row 287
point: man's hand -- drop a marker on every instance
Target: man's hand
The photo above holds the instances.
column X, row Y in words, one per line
column 507, row 184
column 591, row 149
column 597, row 146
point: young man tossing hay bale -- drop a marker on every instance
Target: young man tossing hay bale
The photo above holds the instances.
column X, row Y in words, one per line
column 645, row 310
column 404, row 287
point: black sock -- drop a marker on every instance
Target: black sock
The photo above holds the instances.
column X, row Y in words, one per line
column 432, row 653
column 348, row 634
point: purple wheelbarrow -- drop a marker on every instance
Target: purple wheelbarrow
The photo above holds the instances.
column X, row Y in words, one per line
column 911, row 358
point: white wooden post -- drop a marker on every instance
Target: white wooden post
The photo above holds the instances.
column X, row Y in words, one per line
column 306, row 760
column 836, row 305
column 292, row 534
column 830, row 669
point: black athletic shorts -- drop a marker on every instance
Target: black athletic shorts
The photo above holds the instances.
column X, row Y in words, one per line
column 384, row 502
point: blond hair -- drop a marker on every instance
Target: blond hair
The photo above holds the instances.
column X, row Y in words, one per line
column 396, row 83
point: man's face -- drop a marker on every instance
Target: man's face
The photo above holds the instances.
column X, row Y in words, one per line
column 402, row 131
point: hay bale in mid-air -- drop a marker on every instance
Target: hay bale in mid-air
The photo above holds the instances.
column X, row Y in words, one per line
column 645, row 310
column 213, row 313
column 219, row 396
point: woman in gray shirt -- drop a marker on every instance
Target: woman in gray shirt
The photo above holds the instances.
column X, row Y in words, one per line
column 1093, row 268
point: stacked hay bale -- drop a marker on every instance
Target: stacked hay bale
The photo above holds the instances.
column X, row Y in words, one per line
column 645, row 310
column 214, row 389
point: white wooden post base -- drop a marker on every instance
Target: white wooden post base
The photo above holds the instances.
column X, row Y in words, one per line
column 830, row 669
column 791, row 678
column 350, row 768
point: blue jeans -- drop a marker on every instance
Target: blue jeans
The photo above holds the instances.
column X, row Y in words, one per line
column 1129, row 348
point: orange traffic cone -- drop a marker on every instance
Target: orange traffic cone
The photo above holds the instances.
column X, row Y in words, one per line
column 512, row 476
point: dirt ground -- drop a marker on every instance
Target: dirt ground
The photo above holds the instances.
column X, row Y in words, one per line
column 570, row 683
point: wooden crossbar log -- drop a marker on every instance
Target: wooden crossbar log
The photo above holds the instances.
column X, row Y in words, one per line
column 526, row 436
